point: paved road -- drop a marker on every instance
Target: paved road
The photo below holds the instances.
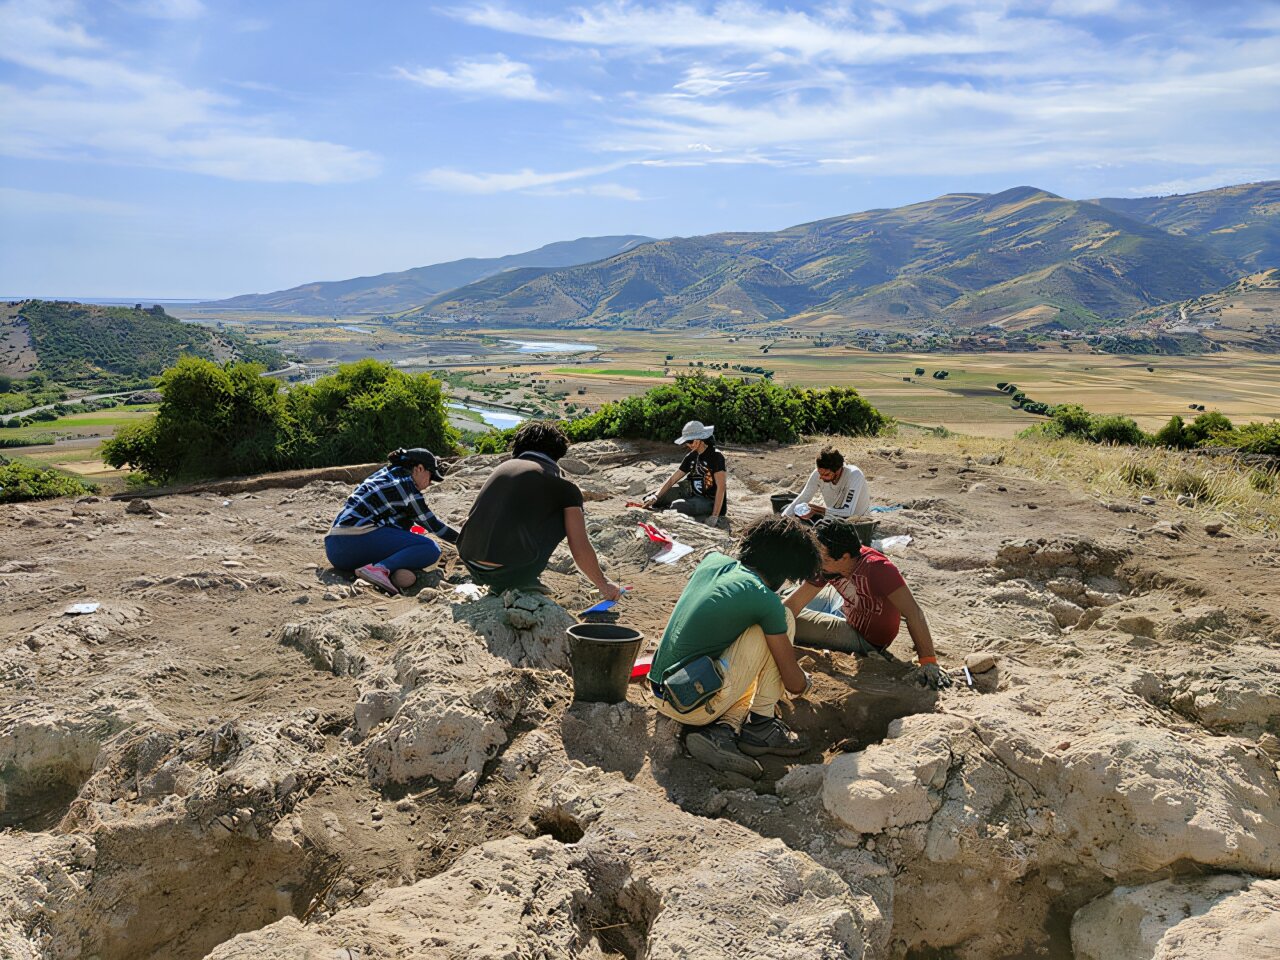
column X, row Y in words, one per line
column 50, row 406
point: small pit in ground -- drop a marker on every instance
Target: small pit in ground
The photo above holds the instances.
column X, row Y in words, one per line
column 175, row 893
column 35, row 799
column 855, row 702
column 557, row 824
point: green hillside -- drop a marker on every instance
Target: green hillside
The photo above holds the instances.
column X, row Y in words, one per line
column 406, row 289
column 87, row 343
column 1241, row 222
column 965, row 260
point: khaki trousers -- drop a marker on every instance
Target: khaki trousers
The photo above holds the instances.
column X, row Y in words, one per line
column 751, row 682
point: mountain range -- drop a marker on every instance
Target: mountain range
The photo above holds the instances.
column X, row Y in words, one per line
column 406, row 289
column 1020, row 259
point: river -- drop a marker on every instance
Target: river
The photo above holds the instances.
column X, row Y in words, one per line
column 498, row 419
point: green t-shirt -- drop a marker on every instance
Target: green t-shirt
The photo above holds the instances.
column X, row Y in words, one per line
column 723, row 599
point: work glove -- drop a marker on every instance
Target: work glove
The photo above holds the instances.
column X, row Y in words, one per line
column 930, row 675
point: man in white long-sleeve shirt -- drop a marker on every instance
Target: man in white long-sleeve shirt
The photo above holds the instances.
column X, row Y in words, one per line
column 843, row 488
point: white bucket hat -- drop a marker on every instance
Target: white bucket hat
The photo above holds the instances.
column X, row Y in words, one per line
column 695, row 430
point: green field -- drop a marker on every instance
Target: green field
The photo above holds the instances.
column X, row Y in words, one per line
column 100, row 422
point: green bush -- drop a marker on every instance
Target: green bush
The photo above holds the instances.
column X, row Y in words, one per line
column 1115, row 429
column 19, row 482
column 742, row 411
column 1173, row 434
column 1204, row 427
column 1072, row 420
column 221, row 420
column 1254, row 438
column 495, row 441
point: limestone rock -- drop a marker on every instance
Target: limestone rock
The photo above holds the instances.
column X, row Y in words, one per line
column 980, row 662
column 887, row 786
column 1199, row 919
column 509, row 898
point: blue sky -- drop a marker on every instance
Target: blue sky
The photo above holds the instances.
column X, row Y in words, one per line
column 193, row 148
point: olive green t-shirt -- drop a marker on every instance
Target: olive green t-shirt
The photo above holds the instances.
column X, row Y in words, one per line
column 722, row 599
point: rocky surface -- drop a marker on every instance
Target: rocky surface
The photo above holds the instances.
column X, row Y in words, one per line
column 242, row 753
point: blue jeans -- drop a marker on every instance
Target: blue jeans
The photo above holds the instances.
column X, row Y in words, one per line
column 388, row 547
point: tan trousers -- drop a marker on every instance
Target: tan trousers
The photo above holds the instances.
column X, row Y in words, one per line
column 751, row 682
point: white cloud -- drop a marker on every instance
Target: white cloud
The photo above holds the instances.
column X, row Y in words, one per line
column 460, row 181
column 15, row 202
column 93, row 106
column 746, row 26
column 166, row 9
column 703, row 81
column 1210, row 181
column 612, row 191
column 494, row 77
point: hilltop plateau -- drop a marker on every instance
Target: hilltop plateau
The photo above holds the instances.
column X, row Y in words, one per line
column 77, row 342
column 240, row 753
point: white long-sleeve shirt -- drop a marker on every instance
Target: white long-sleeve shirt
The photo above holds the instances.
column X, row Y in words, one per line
column 847, row 497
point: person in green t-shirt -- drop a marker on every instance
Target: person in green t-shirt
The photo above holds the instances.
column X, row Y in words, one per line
column 731, row 610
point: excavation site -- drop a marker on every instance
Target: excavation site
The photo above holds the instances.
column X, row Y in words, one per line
column 214, row 745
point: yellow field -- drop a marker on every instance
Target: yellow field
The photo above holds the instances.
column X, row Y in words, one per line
column 1244, row 386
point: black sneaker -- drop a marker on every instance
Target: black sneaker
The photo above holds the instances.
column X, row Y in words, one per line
column 716, row 745
column 771, row 737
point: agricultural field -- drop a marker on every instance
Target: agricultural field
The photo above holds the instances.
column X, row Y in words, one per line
column 78, row 442
column 1244, row 386
column 496, row 368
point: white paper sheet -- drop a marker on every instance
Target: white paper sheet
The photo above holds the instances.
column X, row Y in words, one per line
column 673, row 552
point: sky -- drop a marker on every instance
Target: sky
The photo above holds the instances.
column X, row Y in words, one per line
column 207, row 148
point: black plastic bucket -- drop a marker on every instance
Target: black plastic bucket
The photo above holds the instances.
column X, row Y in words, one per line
column 602, row 655
column 866, row 530
column 781, row 500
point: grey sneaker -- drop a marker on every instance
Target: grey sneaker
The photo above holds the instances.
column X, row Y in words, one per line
column 771, row 737
column 716, row 745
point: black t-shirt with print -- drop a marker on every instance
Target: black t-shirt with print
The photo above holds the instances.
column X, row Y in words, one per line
column 701, row 469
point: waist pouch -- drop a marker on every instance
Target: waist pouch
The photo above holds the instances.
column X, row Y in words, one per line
column 692, row 684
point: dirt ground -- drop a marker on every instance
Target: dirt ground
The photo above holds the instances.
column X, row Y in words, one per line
column 260, row 679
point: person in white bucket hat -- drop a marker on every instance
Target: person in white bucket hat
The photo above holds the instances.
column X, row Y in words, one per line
column 697, row 488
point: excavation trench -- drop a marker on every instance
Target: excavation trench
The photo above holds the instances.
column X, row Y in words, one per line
column 175, row 892
column 39, row 785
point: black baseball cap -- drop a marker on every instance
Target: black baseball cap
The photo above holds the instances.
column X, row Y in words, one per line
column 419, row 455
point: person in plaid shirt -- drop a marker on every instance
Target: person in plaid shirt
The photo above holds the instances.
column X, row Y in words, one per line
column 372, row 534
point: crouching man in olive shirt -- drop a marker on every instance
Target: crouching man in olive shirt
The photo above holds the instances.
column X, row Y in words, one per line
column 522, row 513
column 730, row 610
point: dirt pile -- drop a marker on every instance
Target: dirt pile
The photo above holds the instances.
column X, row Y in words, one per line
column 241, row 753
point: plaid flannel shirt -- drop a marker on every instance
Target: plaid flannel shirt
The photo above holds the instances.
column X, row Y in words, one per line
column 389, row 498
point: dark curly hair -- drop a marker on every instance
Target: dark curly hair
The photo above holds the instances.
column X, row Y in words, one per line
column 829, row 458
column 540, row 436
column 779, row 549
column 840, row 539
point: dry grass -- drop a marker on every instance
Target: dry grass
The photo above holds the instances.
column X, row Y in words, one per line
column 1224, row 490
